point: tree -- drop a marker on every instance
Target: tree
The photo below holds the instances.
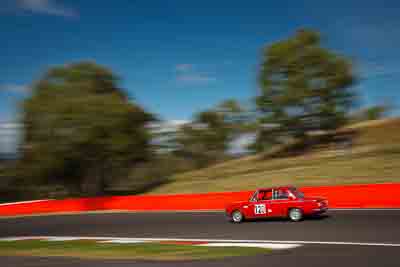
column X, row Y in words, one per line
column 213, row 133
column 371, row 113
column 304, row 87
column 206, row 139
column 81, row 129
column 232, row 111
column 236, row 116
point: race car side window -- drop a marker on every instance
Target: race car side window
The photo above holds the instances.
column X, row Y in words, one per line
column 280, row 194
column 267, row 195
column 296, row 193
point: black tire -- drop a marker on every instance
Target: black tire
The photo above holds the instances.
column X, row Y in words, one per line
column 237, row 216
column 295, row 214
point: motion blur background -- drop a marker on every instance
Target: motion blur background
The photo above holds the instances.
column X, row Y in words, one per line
column 134, row 97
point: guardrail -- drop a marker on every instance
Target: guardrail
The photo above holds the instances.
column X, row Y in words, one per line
column 349, row 196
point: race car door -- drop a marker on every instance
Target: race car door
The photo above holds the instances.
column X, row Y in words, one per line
column 280, row 202
column 260, row 206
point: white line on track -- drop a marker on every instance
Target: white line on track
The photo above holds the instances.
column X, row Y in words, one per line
column 23, row 202
column 253, row 245
column 272, row 241
column 57, row 239
column 231, row 241
column 121, row 241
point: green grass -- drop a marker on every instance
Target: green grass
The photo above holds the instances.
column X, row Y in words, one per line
column 87, row 249
column 373, row 158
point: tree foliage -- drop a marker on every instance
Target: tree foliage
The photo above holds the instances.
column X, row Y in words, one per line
column 81, row 129
column 210, row 135
column 371, row 113
column 304, row 87
column 205, row 140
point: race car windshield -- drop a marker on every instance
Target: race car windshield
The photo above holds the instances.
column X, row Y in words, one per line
column 253, row 198
column 297, row 193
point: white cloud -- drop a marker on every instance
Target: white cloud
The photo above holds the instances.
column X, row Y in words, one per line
column 240, row 144
column 187, row 73
column 15, row 88
column 194, row 77
column 184, row 67
column 49, row 7
column 167, row 126
column 177, row 122
column 10, row 125
column 10, row 137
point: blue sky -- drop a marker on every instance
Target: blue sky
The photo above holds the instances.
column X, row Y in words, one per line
column 178, row 57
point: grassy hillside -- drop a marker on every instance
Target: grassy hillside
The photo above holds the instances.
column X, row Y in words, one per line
column 372, row 157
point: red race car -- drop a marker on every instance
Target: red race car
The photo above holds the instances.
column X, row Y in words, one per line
column 284, row 201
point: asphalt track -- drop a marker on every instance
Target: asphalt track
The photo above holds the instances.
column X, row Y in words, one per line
column 365, row 226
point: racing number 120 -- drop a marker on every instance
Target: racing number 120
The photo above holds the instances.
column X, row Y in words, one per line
column 260, row 209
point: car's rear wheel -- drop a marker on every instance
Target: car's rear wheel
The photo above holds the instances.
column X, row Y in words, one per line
column 295, row 214
column 237, row 216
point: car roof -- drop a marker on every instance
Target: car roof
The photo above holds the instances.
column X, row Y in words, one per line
column 276, row 187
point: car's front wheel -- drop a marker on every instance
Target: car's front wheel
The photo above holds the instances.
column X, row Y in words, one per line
column 295, row 214
column 237, row 216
